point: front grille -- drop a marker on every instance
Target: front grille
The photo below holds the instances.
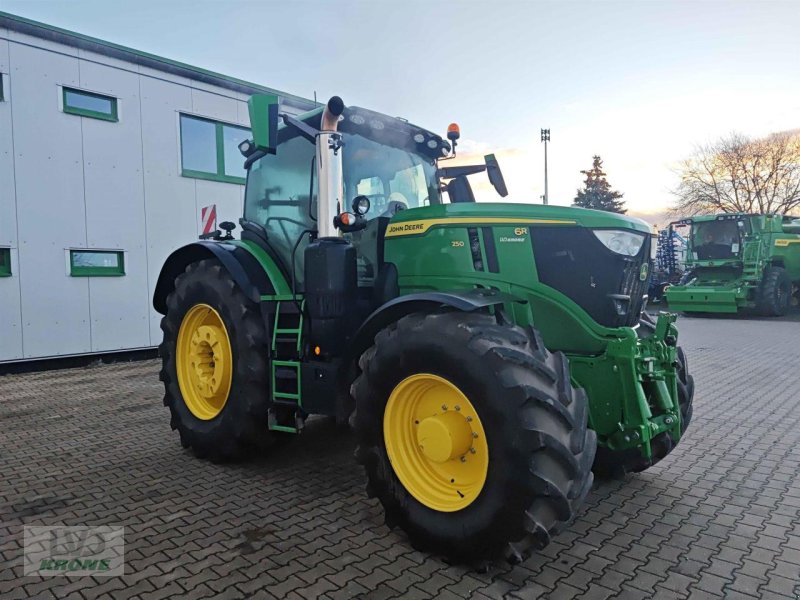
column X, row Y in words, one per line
column 606, row 285
column 633, row 287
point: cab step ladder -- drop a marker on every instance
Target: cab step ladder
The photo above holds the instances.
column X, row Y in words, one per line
column 285, row 414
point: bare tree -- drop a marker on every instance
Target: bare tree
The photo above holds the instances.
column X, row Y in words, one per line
column 739, row 174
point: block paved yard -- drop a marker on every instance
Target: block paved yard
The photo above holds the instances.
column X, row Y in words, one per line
column 92, row 446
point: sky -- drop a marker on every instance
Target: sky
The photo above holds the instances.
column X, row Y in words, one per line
column 639, row 83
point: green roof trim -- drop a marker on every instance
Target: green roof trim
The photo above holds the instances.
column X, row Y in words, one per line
column 153, row 61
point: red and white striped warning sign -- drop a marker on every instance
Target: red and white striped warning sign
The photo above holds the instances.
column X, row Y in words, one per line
column 208, row 215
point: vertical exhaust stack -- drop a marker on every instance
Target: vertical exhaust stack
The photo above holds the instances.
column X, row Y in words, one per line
column 331, row 281
column 329, row 159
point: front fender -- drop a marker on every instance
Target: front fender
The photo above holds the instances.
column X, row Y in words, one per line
column 466, row 301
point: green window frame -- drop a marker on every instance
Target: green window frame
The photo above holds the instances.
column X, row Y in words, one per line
column 96, row 263
column 219, row 174
column 5, row 262
column 110, row 115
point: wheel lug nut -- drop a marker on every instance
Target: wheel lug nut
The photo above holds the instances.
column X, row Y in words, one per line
column 463, row 459
column 444, row 406
column 474, row 434
column 472, row 450
column 458, row 407
column 469, row 419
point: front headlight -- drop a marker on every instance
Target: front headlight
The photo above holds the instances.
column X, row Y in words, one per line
column 627, row 243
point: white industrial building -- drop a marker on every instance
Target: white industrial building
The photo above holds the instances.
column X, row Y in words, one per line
column 107, row 158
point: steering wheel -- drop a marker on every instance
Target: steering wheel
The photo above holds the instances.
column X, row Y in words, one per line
column 392, row 208
column 399, row 198
column 396, row 203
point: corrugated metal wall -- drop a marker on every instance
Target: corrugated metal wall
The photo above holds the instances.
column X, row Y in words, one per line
column 74, row 182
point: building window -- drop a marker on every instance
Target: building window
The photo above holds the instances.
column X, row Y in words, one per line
column 89, row 104
column 96, row 263
column 2, row 87
column 210, row 150
column 5, row 262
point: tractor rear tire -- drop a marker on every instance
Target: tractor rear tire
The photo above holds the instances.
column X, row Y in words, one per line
column 538, row 449
column 239, row 426
column 775, row 294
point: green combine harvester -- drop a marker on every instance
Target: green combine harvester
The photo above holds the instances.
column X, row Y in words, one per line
column 738, row 262
column 486, row 355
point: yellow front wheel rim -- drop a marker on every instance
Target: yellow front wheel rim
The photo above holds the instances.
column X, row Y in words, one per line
column 204, row 361
column 435, row 442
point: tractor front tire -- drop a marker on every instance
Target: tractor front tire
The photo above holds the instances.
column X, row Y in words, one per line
column 775, row 295
column 434, row 384
column 685, row 391
column 215, row 364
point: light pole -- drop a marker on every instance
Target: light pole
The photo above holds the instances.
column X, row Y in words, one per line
column 545, row 139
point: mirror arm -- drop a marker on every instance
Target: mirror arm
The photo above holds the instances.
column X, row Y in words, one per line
column 254, row 157
column 305, row 130
column 452, row 172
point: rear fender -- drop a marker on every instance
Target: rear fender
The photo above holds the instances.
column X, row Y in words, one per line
column 237, row 260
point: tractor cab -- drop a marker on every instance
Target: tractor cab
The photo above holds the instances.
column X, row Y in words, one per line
column 722, row 238
column 387, row 165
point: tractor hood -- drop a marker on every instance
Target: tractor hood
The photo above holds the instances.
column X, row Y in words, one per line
column 588, row 263
column 419, row 220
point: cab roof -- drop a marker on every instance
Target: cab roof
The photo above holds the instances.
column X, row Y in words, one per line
column 391, row 131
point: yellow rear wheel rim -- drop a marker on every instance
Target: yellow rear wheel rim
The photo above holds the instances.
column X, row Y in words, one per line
column 204, row 362
column 436, row 442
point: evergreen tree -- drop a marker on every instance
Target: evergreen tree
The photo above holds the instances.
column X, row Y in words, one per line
column 597, row 192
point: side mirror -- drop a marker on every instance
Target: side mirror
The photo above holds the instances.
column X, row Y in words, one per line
column 495, row 175
column 263, row 110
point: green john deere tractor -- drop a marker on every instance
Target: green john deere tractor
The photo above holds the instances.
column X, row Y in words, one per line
column 738, row 261
column 487, row 356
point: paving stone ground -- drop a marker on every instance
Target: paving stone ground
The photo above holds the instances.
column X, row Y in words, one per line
column 719, row 518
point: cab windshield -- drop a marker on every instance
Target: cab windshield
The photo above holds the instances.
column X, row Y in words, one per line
column 717, row 239
column 281, row 192
column 387, row 175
